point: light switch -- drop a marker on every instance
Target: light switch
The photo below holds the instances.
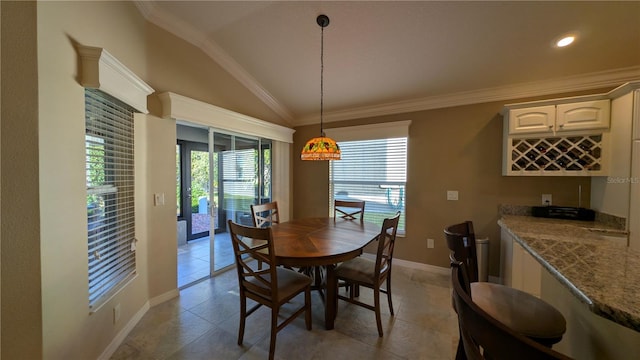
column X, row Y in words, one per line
column 452, row 195
column 158, row 199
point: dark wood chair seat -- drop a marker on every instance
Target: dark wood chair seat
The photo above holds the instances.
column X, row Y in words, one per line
column 483, row 336
column 520, row 311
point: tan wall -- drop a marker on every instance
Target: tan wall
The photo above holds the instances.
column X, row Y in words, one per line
column 456, row 148
column 62, row 169
column 21, row 309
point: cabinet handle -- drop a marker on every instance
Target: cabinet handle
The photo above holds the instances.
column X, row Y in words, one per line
column 560, row 125
column 550, row 126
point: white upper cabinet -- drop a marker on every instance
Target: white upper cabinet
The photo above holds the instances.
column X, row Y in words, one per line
column 551, row 119
column 539, row 119
column 586, row 115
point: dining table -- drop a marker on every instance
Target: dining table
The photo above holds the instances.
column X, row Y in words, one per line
column 325, row 242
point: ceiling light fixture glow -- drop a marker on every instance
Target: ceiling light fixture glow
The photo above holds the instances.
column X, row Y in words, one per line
column 565, row 41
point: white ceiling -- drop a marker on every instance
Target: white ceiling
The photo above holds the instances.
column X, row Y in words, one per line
column 382, row 57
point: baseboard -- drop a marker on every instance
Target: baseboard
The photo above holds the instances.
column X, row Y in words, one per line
column 164, row 297
column 414, row 265
column 122, row 334
column 117, row 341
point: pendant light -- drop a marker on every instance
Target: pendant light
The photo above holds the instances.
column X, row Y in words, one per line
column 322, row 147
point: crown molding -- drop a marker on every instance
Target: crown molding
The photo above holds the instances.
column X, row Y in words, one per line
column 596, row 80
column 101, row 70
column 188, row 33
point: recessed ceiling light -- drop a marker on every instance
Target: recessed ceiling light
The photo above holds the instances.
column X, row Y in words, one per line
column 565, row 40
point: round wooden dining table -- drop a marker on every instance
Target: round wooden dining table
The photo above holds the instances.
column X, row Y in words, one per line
column 322, row 242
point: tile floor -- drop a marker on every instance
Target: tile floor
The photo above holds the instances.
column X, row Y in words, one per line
column 203, row 322
column 193, row 258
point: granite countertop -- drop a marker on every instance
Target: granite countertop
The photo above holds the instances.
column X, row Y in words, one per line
column 602, row 273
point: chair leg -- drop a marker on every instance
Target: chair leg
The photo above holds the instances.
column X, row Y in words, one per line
column 389, row 294
column 460, row 354
column 274, row 332
column 243, row 317
column 307, row 311
column 376, row 301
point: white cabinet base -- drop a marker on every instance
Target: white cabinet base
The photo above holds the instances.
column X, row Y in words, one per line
column 588, row 336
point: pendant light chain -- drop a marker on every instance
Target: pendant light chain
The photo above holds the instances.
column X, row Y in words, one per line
column 321, row 80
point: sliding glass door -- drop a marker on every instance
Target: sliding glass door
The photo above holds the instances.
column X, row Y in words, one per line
column 219, row 175
column 239, row 176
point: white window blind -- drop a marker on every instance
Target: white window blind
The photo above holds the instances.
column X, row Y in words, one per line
column 374, row 171
column 110, row 194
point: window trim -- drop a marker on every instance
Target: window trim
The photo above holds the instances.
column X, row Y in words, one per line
column 102, row 71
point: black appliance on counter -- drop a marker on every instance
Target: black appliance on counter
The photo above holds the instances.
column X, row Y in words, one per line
column 563, row 212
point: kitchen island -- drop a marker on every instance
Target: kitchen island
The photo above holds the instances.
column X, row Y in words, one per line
column 591, row 277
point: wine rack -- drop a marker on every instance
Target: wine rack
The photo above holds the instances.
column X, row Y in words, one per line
column 564, row 155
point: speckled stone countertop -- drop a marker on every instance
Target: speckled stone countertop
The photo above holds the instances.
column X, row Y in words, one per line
column 600, row 272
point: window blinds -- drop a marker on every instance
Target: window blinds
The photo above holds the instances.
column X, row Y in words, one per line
column 110, row 193
column 373, row 171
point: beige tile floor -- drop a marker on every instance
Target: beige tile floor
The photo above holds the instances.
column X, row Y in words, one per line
column 203, row 322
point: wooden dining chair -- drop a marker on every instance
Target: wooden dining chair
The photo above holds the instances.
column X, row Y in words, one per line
column 272, row 286
column 485, row 337
column 265, row 214
column 372, row 274
column 348, row 209
column 524, row 313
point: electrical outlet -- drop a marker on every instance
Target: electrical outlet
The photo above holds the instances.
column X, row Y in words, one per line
column 452, row 195
column 116, row 313
column 430, row 243
column 547, row 199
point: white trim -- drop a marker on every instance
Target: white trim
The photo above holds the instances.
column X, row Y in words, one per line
column 281, row 182
column 187, row 32
column 135, row 319
column 180, row 107
column 100, row 70
column 575, row 83
column 164, row 297
column 388, row 130
column 122, row 334
column 414, row 265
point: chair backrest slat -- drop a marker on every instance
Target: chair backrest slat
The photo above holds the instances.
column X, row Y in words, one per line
column 251, row 244
column 461, row 240
column 349, row 209
column 265, row 214
column 386, row 243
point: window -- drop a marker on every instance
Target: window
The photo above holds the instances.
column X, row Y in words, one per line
column 373, row 171
column 110, row 194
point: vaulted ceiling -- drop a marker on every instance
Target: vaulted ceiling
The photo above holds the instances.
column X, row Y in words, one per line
column 382, row 57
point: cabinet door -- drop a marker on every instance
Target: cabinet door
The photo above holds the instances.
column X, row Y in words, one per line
column 540, row 119
column 526, row 272
column 634, row 204
column 584, row 115
column 636, row 115
column 506, row 257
